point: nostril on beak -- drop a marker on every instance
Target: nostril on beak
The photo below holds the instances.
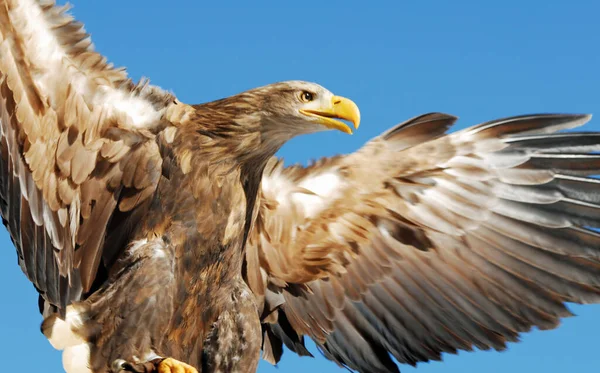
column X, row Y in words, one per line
column 337, row 101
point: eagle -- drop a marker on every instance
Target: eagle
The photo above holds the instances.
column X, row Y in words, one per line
column 167, row 237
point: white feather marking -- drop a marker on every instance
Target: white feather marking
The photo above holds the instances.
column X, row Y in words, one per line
column 504, row 160
column 153, row 248
column 60, row 332
column 323, row 186
column 158, row 252
column 76, row 359
column 136, row 245
column 141, row 112
column 169, row 134
column 337, row 230
column 51, row 224
column 74, row 212
column 48, row 55
column 383, row 230
column 277, row 187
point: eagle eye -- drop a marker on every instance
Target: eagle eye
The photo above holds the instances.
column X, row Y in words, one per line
column 306, row 96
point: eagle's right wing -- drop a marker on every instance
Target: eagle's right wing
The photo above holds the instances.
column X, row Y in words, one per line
column 77, row 147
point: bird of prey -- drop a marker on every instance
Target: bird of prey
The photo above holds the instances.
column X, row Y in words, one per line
column 166, row 237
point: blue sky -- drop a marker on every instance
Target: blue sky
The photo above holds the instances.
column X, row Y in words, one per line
column 396, row 59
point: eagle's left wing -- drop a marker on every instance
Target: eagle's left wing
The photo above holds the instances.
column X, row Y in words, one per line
column 422, row 243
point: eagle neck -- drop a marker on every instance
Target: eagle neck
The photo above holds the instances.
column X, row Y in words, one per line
column 229, row 131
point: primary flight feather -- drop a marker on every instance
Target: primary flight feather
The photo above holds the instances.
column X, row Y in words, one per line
column 166, row 237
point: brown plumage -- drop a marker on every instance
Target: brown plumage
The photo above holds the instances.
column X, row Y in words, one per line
column 161, row 234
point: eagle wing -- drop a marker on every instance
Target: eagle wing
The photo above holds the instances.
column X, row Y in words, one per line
column 424, row 242
column 77, row 148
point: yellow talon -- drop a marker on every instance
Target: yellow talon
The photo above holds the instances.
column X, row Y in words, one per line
column 170, row 365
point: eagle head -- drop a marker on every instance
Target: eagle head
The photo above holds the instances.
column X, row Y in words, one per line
column 299, row 107
column 257, row 122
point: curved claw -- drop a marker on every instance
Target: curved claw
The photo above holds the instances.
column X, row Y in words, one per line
column 123, row 366
column 118, row 365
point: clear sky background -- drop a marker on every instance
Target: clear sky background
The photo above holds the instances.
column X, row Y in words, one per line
column 476, row 59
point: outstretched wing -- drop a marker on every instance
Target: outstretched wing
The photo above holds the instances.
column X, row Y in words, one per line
column 422, row 243
column 76, row 144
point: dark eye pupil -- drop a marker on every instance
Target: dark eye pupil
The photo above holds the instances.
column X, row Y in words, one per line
column 308, row 96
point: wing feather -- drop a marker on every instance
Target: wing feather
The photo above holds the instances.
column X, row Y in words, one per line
column 422, row 243
column 77, row 144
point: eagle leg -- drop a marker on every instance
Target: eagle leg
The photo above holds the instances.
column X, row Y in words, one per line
column 160, row 365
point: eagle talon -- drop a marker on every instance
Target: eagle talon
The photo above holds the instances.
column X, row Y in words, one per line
column 170, row 365
column 119, row 365
column 122, row 366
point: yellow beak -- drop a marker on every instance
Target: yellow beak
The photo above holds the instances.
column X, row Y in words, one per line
column 340, row 108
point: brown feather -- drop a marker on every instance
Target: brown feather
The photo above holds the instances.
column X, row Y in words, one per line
column 418, row 244
column 416, row 256
column 56, row 147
